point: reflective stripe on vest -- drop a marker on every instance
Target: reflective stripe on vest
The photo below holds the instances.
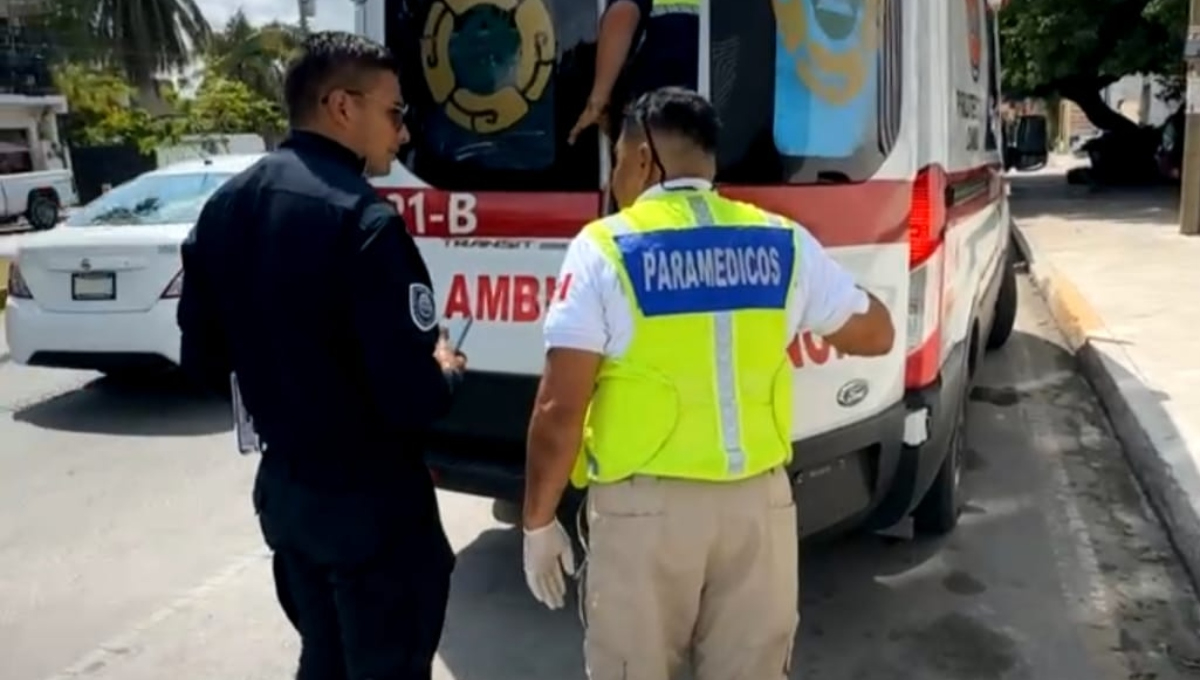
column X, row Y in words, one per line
column 707, row 333
column 661, row 7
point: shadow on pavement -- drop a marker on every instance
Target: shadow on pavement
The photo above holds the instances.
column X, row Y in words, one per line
column 1050, row 195
column 1006, row 596
column 163, row 406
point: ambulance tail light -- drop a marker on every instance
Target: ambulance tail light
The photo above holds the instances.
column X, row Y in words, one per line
column 926, row 231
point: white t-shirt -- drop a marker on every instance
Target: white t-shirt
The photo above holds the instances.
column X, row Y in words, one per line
column 594, row 314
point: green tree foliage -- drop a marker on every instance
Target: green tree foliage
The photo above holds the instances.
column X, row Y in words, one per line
column 256, row 56
column 226, row 106
column 113, row 53
column 139, row 38
column 1074, row 48
column 102, row 111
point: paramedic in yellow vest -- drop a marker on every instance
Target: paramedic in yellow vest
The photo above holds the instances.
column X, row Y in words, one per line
column 666, row 367
column 659, row 41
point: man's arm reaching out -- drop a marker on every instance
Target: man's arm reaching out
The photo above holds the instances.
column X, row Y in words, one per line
column 835, row 307
column 618, row 26
column 617, row 29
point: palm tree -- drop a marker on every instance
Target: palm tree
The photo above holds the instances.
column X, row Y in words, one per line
column 142, row 38
column 255, row 56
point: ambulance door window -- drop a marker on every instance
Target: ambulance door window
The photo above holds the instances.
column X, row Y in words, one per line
column 993, row 75
column 494, row 87
column 831, row 111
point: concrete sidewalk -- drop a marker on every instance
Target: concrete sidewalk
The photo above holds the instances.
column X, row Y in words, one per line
column 1125, row 288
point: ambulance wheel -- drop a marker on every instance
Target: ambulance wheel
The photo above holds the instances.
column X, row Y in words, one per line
column 1005, row 316
column 938, row 512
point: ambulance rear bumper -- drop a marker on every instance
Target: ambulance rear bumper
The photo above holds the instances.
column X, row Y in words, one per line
column 842, row 475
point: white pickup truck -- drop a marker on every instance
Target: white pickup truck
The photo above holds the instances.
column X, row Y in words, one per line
column 39, row 197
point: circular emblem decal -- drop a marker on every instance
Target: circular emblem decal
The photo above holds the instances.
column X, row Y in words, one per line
column 86, row 265
column 834, row 43
column 975, row 37
column 853, row 392
column 422, row 307
column 486, row 61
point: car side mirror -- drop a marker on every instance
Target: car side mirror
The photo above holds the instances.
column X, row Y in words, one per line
column 1028, row 147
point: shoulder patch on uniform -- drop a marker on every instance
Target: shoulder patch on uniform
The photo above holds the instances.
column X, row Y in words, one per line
column 377, row 215
column 421, row 306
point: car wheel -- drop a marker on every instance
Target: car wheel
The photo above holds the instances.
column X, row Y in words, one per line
column 1005, row 316
column 42, row 211
column 938, row 512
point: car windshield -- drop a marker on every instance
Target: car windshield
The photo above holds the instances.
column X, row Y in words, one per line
column 151, row 200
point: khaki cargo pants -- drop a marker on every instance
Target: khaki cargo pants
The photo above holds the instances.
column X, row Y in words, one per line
column 684, row 571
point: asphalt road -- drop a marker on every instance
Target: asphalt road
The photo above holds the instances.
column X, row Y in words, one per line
column 128, row 550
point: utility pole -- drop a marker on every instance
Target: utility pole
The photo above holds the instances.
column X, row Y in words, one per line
column 1189, row 183
column 308, row 9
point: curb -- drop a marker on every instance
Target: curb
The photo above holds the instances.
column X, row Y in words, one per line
column 1110, row 370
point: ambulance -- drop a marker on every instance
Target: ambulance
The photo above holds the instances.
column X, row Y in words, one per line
column 874, row 123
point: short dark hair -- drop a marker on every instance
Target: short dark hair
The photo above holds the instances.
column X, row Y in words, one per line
column 328, row 60
column 676, row 111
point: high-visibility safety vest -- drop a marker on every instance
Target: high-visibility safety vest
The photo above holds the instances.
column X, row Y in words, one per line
column 704, row 390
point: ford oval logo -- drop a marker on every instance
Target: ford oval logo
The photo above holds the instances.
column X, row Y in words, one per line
column 853, row 392
column 86, row 265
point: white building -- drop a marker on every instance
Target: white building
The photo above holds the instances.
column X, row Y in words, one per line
column 29, row 106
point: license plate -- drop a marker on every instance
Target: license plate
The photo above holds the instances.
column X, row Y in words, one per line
column 94, row 286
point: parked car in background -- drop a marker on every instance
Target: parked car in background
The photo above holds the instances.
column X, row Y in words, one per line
column 100, row 292
column 39, row 197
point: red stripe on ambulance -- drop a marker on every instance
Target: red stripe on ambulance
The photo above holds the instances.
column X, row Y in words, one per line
column 454, row 214
column 866, row 213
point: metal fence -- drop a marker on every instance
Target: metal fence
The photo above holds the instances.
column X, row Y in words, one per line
column 97, row 166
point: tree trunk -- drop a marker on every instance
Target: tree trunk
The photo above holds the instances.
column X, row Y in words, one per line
column 150, row 98
column 1086, row 94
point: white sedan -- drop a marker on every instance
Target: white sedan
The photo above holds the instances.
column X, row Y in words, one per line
column 100, row 291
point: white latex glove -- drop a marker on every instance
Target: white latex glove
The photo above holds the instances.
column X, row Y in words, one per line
column 548, row 554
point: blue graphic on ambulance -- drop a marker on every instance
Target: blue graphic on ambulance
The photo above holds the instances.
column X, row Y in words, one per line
column 826, row 66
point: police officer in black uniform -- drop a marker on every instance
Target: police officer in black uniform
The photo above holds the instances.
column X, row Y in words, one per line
column 306, row 285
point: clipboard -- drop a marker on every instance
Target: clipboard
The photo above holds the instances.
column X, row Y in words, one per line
column 245, row 436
